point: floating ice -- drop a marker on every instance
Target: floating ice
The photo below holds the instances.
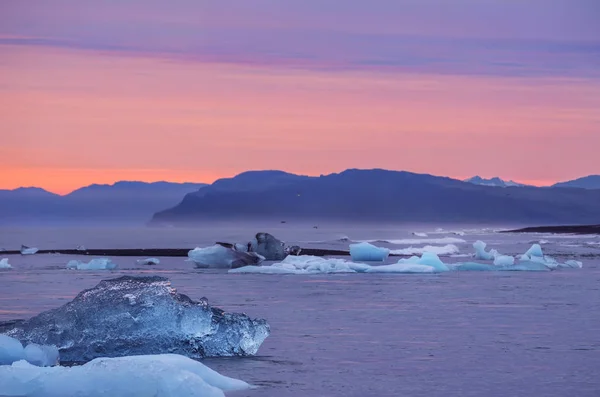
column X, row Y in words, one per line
column 139, row 315
column 167, row 375
column 504, row 260
column 439, row 250
column 223, row 257
column 473, row 267
column 536, row 255
column 148, row 261
column 535, row 250
column 440, row 241
column 269, row 247
column 573, row 264
column 306, row 264
column 427, row 259
column 25, row 250
column 4, row 264
column 80, row 248
column 480, row 252
column 419, row 234
column 402, row 268
column 368, row 252
column 94, row 264
column 11, row 350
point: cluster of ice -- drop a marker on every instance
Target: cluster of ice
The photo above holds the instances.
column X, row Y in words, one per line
column 11, row 350
column 4, row 264
column 222, row 256
column 536, row 255
column 481, row 253
column 447, row 249
column 139, row 315
column 25, row 250
column 94, row 264
column 366, row 252
column 533, row 260
column 430, row 241
column 148, row 261
column 166, row 375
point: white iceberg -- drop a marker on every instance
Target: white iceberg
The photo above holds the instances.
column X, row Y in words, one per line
column 480, row 252
column 148, row 261
column 167, row 375
column 223, row 257
column 366, row 252
column 504, row 260
column 25, row 250
column 536, row 255
column 439, row 250
column 94, row 264
column 4, row 264
column 427, row 259
column 306, row 264
column 11, row 350
column 535, row 251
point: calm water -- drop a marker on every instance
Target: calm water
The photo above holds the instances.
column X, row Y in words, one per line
column 454, row 334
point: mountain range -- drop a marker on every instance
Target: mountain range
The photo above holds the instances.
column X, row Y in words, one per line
column 352, row 195
column 122, row 202
column 380, row 195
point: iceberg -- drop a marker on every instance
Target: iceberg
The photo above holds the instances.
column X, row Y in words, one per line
column 148, row 261
column 480, row 252
column 535, row 255
column 25, row 250
column 406, row 268
column 94, row 264
column 11, row 350
column 535, row 250
column 419, row 234
column 167, row 375
column 306, row 264
column 80, row 248
column 269, row 247
column 439, row 250
column 224, row 257
column 443, row 240
column 427, row 259
column 139, row 315
column 504, row 260
column 4, row 264
column 368, row 252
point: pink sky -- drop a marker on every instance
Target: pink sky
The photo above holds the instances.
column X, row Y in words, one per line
column 73, row 115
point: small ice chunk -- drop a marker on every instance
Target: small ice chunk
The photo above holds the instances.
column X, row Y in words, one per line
column 11, row 350
column 419, row 234
column 94, row 264
column 366, row 252
column 167, row 375
column 504, row 260
column 80, row 248
column 439, row 250
column 573, row 264
column 535, row 250
column 25, row 250
column 480, row 252
column 148, row 261
column 4, row 264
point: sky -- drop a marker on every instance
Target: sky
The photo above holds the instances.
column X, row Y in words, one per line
column 196, row 90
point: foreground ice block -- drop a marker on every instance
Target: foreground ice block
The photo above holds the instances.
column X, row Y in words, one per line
column 4, row 264
column 94, row 264
column 167, row 375
column 11, row 350
column 223, row 257
column 139, row 315
column 366, row 252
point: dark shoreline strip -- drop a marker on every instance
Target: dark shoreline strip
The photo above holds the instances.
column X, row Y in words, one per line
column 173, row 252
column 581, row 229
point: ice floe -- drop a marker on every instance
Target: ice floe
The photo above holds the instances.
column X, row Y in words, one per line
column 366, row 252
column 419, row 234
column 222, row 256
column 447, row 249
column 139, row 315
column 4, row 264
column 25, row 250
column 148, row 261
column 166, row 375
column 11, row 350
column 481, row 253
column 94, row 264
column 504, row 260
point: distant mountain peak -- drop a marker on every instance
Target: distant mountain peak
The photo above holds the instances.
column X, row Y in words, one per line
column 495, row 181
column 587, row 182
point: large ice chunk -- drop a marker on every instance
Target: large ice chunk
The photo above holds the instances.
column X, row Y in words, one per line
column 306, row 264
column 366, row 252
column 223, row 257
column 535, row 250
column 269, row 247
column 481, row 253
column 448, row 249
column 94, row 264
column 4, row 264
column 11, row 350
column 167, row 375
column 427, row 259
column 139, row 315
column 25, row 250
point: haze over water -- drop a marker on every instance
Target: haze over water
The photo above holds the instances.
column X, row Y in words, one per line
column 450, row 334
